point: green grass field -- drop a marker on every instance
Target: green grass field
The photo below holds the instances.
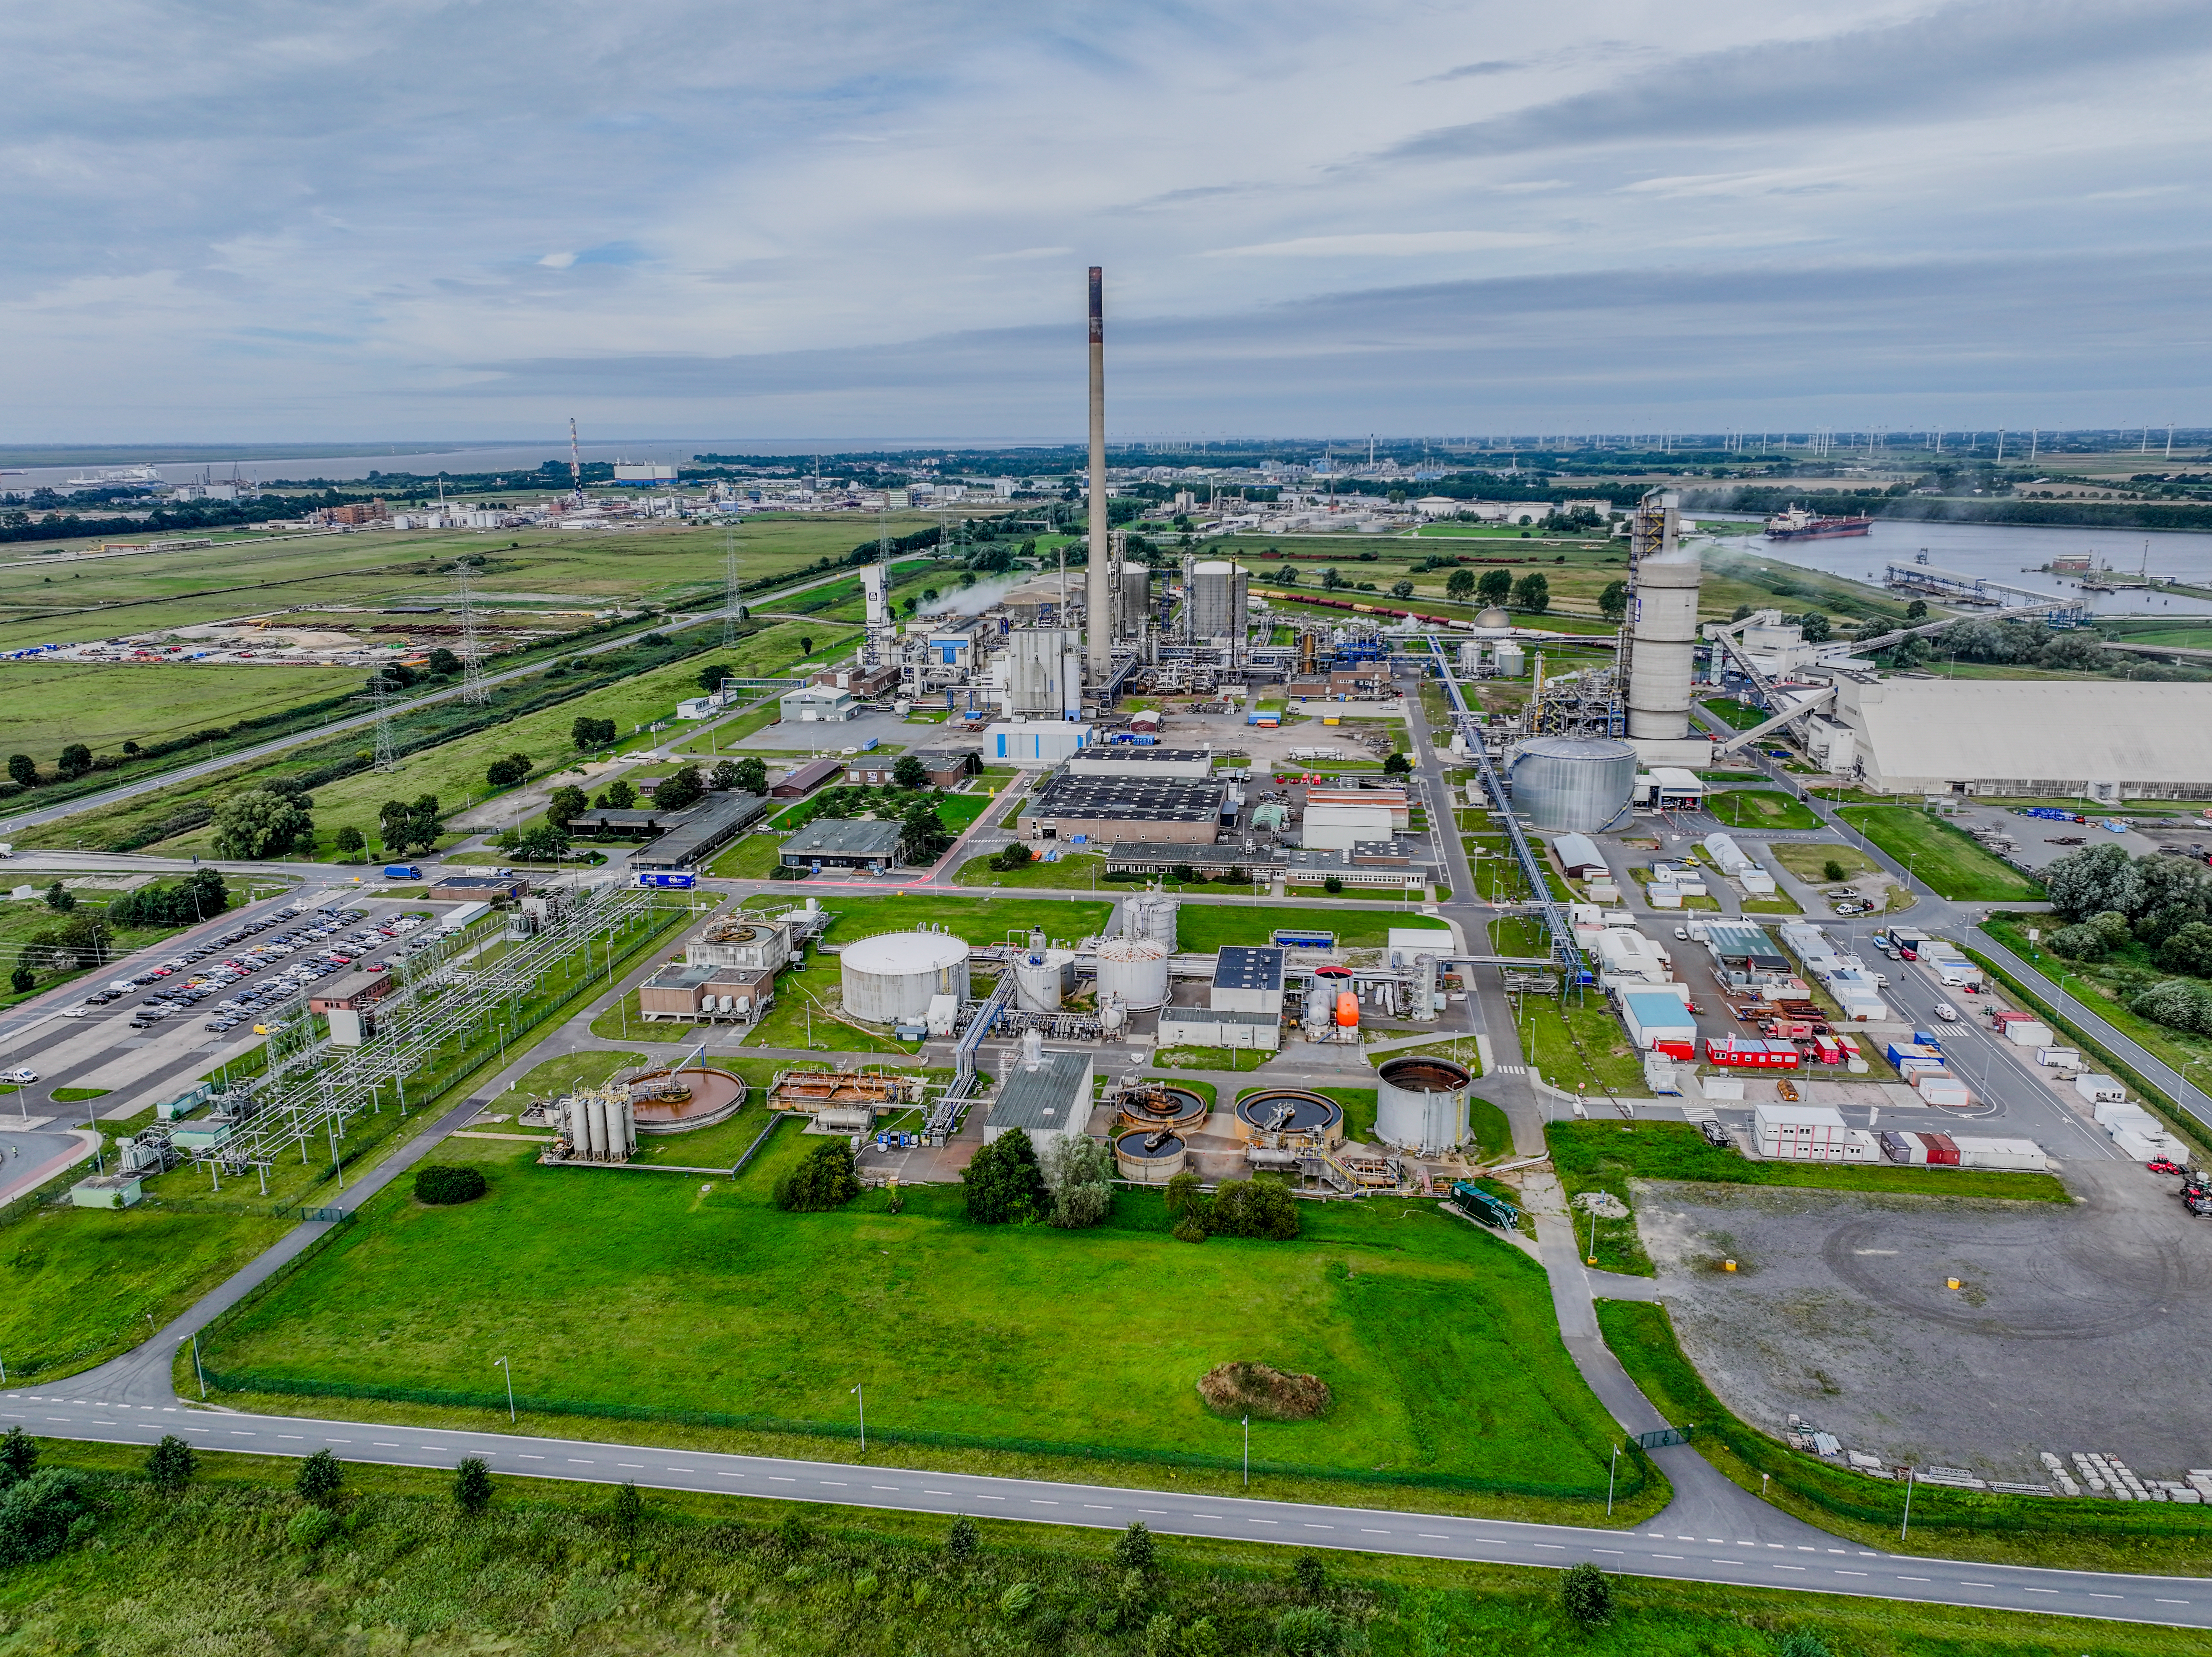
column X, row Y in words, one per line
column 1809, row 860
column 1074, row 872
column 45, row 706
column 978, row 920
column 1760, row 808
column 1202, row 928
column 1942, row 858
column 1741, row 715
column 753, row 858
column 1439, row 1344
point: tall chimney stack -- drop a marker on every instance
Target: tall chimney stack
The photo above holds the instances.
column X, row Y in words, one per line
column 1099, row 619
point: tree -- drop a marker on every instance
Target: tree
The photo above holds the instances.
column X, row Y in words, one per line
column 1004, row 1184
column 752, row 774
column 19, row 1457
column 825, row 1178
column 1014, row 856
column 1258, row 1207
column 171, row 1464
column 2095, row 878
column 1586, row 1594
column 1079, row 1173
column 349, row 841
column 1912, row 653
column 712, row 675
column 1332, row 884
column 506, row 772
column 1495, row 586
column 2188, row 951
column 37, row 1514
column 2177, row 1003
column 2081, row 942
column 564, row 804
column 1397, row 765
column 443, row 662
column 20, row 769
column 472, row 1486
column 1816, row 627
column 422, row 821
column 60, row 899
column 961, row 1540
column 1134, row 1549
column 1917, row 611
column 588, row 732
column 1312, row 1576
column 922, row 835
column 22, row 980
column 628, row 1512
column 1460, row 584
column 680, row 790
column 1613, row 602
column 806, row 645
column 1832, row 869
column 724, row 776
column 618, row 795
column 261, row 822
column 910, row 773
column 1401, row 589
column 542, row 843
column 320, row 1477
column 1532, row 594
column 1287, row 576
column 75, row 759
column 1330, row 580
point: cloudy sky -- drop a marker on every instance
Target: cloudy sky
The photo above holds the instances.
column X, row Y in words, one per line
column 258, row 220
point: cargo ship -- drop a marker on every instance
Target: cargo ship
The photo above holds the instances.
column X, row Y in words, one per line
column 1798, row 525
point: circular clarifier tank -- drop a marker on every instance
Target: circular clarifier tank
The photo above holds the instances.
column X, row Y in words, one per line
column 1151, row 1157
column 1155, row 1105
column 1291, row 1110
column 688, row 1098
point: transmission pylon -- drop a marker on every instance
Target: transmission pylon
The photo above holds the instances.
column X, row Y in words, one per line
column 729, row 589
column 380, row 691
column 473, row 688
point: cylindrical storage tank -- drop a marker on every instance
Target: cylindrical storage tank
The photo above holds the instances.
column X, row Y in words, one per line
column 1217, row 600
column 893, row 976
column 1470, row 659
column 595, row 1116
column 621, row 1126
column 1153, row 916
column 1291, row 1110
column 1347, row 1009
column 1136, row 970
column 1509, row 660
column 1111, row 1016
column 1151, row 1158
column 1420, row 1103
column 1425, row 989
column 1576, row 785
column 1663, row 636
column 1136, row 595
column 1036, row 982
column 846, row 1118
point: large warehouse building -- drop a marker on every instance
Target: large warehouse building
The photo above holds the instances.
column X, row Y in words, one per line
column 2099, row 739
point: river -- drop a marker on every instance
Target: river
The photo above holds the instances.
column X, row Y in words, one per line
column 2003, row 552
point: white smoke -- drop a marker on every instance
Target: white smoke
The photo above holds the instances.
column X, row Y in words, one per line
column 956, row 600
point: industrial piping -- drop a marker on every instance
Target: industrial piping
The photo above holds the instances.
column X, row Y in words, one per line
column 1099, row 583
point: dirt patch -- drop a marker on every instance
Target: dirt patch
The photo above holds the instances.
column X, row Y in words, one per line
column 1271, row 1394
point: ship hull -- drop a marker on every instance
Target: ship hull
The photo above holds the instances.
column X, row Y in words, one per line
column 1829, row 532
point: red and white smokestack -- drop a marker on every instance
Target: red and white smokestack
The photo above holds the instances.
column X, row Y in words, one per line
column 1098, row 586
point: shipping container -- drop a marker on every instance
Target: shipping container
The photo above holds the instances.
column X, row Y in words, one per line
column 1943, row 1151
column 2024, row 1154
column 1951, row 1094
column 2067, row 1057
column 1907, row 1148
column 2093, row 1088
column 1739, row 1052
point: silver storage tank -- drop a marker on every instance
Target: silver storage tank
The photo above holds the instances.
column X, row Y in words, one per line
column 1218, row 600
column 1470, row 659
column 1509, row 659
column 1420, row 1103
column 1152, row 915
column 1136, row 597
column 893, row 976
column 1136, row 970
column 1039, row 979
column 1573, row 785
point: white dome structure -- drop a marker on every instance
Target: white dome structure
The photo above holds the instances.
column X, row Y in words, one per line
column 894, row 976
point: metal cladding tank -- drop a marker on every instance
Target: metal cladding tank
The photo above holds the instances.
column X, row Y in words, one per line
column 1420, row 1103
column 1151, row 915
column 1576, row 785
column 1039, row 979
column 1662, row 622
column 1218, row 600
column 1509, row 660
column 1136, row 970
column 1136, row 596
column 894, row 976
column 1150, row 1157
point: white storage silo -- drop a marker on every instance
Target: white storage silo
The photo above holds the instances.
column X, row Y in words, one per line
column 1218, row 600
column 1509, row 660
column 1039, row 979
column 1573, row 784
column 1420, row 1104
column 1470, row 659
column 1152, row 915
column 893, row 976
column 1136, row 970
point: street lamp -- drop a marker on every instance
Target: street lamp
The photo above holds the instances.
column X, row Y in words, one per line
column 863, row 1397
column 502, row 1364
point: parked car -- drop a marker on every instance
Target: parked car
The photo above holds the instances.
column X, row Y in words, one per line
column 22, row 1076
column 1947, row 1012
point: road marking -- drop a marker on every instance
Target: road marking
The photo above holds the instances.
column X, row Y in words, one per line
column 2171, row 1602
column 1606, row 1550
column 101, row 1421
column 57, row 1417
column 2042, row 1590
column 1773, row 1544
column 1978, row 1585
column 2106, row 1596
column 1559, row 1546
column 239, row 1432
column 1723, row 1562
column 872, row 1487
column 778, row 1478
column 1311, row 1526
column 1363, row 1531
column 199, row 1429
column 1789, row 1567
column 378, row 1444
column 926, row 1491
column 1161, row 1513
column 1850, row 1573
column 719, row 1473
column 839, row 1482
column 1095, row 1507
column 573, row 1461
column 1262, row 1521
column 686, row 1469
column 526, row 1456
column 635, row 1466
column 990, row 1498
column 1431, row 1535
column 1802, row 1549
column 1666, row 1556
column 291, row 1435
column 439, row 1449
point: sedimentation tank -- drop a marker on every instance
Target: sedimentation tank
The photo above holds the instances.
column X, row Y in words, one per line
column 1150, row 1157
column 1156, row 1105
column 893, row 976
column 1292, row 1111
column 1663, row 629
column 1420, row 1103
column 1576, row 785
column 1134, row 968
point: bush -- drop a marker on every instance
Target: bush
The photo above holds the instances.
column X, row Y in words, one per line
column 960, row 1541
column 441, row 1185
column 1080, row 1174
column 1260, row 1389
column 1801, row 1644
column 40, row 1515
column 171, row 1464
column 19, row 1457
column 824, row 1179
column 1258, row 1207
column 1016, row 856
column 310, row 1528
column 1832, row 869
column 472, row 1486
column 2078, row 943
column 1586, row 1594
column 320, row 1477
column 1004, row 1183
column 1312, row 1631
column 1017, row 1601
column 1134, row 1549
column 1311, row 1575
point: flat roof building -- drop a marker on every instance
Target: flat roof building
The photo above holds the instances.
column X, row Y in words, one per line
column 695, row 835
column 1219, row 1027
column 1156, row 764
column 1247, row 979
column 813, row 703
column 843, row 843
column 1050, row 1101
column 1114, row 808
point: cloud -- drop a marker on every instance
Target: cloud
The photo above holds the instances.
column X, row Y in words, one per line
column 557, row 261
column 1385, row 243
column 1471, row 71
column 1024, row 253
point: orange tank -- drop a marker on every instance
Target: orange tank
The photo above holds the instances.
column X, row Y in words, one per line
column 1347, row 1009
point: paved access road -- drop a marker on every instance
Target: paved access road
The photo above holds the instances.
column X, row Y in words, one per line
column 1818, row 1567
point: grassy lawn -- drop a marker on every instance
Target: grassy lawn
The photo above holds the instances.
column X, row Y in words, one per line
column 1074, row 872
column 1740, row 715
column 1760, row 808
column 1580, row 1044
column 1605, row 1155
column 804, row 1016
column 1203, row 928
column 544, row 1570
column 2079, row 1533
column 45, row 706
column 1780, row 904
column 623, row 1023
column 750, row 859
column 1091, row 1338
column 558, row 1076
column 1460, row 1049
column 1228, row 1058
column 978, row 920
column 1809, row 860
column 1944, row 859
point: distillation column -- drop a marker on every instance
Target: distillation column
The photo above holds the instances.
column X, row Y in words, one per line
column 1099, row 588
column 1662, row 622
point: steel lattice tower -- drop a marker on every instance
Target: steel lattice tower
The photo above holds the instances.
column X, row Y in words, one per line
column 382, row 692
column 473, row 688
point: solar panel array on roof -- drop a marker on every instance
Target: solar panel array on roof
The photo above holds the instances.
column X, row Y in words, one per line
column 1240, row 967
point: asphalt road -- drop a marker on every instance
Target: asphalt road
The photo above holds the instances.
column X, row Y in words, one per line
column 359, row 721
column 77, row 1411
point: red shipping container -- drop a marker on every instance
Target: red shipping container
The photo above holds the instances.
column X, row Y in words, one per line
column 1740, row 1054
column 1685, row 1051
column 1942, row 1151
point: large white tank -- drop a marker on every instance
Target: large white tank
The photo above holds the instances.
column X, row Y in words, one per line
column 1470, row 659
column 1217, row 600
column 1038, row 979
column 1576, row 785
column 1152, row 915
column 1662, row 625
column 1136, row 970
column 1420, row 1104
column 1509, row 659
column 893, row 975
